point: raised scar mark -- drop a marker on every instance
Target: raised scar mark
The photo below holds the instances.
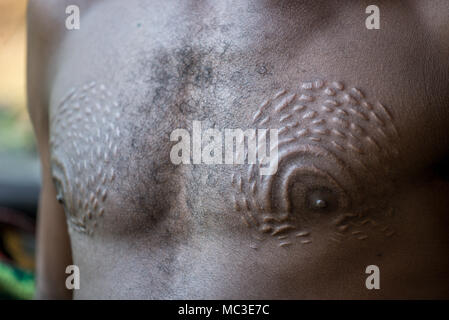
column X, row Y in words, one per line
column 341, row 137
column 359, row 114
column 264, row 121
column 285, row 244
column 285, row 118
column 323, row 132
column 282, row 229
column 357, row 129
column 327, row 109
column 302, row 234
column 373, row 142
column 285, row 103
column 306, row 98
column 341, row 122
column 330, row 92
column 341, row 112
column 338, row 133
column 319, row 122
column 354, row 148
column 338, row 146
column 358, row 93
column 78, row 144
column 339, row 85
column 376, row 118
column 299, row 108
column 332, row 103
column 280, row 93
column 310, row 115
column 350, row 99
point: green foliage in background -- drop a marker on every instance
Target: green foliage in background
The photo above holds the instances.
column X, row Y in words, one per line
column 15, row 132
column 16, row 283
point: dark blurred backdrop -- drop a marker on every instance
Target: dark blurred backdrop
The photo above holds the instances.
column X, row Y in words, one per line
column 19, row 166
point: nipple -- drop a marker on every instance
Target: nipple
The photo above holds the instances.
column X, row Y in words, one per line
column 59, row 198
column 320, row 204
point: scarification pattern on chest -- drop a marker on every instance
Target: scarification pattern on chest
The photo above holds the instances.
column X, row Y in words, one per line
column 333, row 143
column 84, row 141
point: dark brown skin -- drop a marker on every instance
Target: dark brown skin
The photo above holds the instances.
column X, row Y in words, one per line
column 142, row 227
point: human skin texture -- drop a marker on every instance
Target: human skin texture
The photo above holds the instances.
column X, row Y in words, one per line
column 362, row 118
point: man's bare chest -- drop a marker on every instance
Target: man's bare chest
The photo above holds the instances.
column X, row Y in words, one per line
column 340, row 123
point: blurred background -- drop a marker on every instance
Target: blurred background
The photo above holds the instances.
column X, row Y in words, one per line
column 19, row 166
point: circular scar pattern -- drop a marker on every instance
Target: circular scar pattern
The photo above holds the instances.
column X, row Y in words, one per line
column 335, row 147
column 84, row 141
